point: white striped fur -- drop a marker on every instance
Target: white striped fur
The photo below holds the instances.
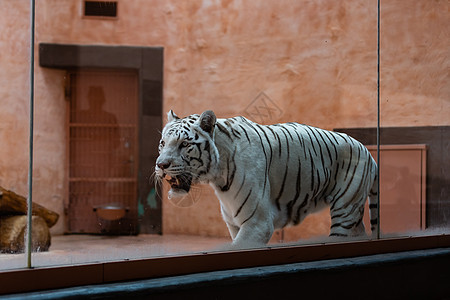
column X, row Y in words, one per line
column 270, row 176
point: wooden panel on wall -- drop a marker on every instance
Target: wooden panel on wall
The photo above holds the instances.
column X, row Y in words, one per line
column 402, row 188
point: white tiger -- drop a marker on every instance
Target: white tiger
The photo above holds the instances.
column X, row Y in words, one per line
column 270, row 176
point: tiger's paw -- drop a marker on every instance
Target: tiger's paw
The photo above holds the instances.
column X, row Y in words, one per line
column 235, row 246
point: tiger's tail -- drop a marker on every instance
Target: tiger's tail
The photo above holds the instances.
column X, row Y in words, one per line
column 373, row 208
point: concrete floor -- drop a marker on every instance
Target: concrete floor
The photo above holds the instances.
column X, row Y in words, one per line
column 81, row 249
column 77, row 249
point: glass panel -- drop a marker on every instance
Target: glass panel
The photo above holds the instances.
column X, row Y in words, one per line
column 311, row 62
column 415, row 106
column 14, row 131
column 100, row 112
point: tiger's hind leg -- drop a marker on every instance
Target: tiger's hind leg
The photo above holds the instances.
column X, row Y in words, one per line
column 347, row 219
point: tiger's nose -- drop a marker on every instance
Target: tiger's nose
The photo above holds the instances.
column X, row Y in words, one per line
column 163, row 165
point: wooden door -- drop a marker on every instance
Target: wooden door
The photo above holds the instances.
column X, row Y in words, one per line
column 102, row 150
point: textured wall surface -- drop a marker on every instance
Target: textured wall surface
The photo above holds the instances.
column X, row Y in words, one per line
column 310, row 61
column 14, row 95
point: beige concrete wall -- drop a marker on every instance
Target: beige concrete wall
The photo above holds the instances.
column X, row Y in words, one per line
column 315, row 60
column 415, row 62
column 49, row 138
column 14, row 95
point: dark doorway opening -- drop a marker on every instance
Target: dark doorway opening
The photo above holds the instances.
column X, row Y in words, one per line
column 103, row 152
column 147, row 65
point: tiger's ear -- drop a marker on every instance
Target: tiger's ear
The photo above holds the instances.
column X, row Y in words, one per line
column 171, row 116
column 207, row 121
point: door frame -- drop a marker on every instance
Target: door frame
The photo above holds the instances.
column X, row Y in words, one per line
column 148, row 62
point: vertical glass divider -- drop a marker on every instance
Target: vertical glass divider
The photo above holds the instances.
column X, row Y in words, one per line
column 378, row 116
column 30, row 166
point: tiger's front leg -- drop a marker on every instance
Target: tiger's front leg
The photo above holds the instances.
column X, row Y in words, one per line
column 256, row 230
column 247, row 210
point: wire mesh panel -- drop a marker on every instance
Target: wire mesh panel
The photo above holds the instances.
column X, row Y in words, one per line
column 103, row 150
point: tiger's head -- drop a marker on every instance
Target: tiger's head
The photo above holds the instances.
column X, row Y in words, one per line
column 187, row 153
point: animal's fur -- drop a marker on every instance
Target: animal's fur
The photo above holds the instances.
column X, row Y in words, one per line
column 270, row 176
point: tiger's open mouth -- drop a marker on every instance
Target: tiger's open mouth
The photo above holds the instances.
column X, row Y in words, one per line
column 182, row 182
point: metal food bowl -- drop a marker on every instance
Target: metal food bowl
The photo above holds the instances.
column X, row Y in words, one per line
column 111, row 212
